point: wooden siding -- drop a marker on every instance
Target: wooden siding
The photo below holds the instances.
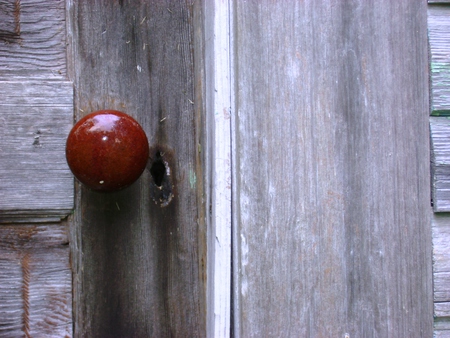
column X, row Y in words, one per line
column 439, row 41
column 38, row 49
column 440, row 163
column 441, row 274
column 35, row 281
column 140, row 268
column 331, row 190
column 35, row 181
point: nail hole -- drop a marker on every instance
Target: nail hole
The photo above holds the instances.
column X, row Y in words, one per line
column 158, row 170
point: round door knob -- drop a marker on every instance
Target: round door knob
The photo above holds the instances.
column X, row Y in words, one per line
column 107, row 150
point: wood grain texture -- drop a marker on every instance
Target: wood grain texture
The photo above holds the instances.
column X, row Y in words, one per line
column 441, row 264
column 38, row 50
column 218, row 85
column 331, row 189
column 35, row 181
column 139, row 267
column 35, row 281
column 9, row 19
column 439, row 41
column 440, row 163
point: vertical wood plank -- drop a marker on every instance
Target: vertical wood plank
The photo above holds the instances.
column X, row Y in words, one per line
column 218, row 85
column 332, row 175
column 140, row 267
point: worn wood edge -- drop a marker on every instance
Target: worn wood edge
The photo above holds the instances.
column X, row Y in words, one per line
column 75, row 242
column 235, row 205
column 218, row 107
column 33, row 216
column 201, row 157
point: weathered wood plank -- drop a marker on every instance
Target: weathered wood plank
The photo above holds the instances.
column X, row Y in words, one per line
column 331, row 196
column 9, row 18
column 439, row 40
column 442, row 328
column 441, row 265
column 438, row 1
column 36, row 117
column 39, row 49
column 141, row 268
column 35, row 281
column 442, row 309
column 440, row 163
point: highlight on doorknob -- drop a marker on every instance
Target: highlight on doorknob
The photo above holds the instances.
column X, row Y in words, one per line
column 107, row 150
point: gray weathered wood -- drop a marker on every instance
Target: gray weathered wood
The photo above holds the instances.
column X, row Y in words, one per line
column 442, row 328
column 440, row 163
column 441, row 264
column 139, row 267
column 9, row 18
column 40, row 48
column 439, row 40
column 35, row 281
column 35, row 181
column 331, row 188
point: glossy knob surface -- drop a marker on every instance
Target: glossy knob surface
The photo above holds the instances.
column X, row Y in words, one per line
column 107, row 150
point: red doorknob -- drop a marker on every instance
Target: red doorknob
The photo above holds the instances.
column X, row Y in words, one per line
column 107, row 150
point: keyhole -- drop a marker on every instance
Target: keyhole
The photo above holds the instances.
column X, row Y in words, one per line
column 158, row 170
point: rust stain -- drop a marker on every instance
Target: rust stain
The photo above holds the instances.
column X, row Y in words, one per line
column 17, row 16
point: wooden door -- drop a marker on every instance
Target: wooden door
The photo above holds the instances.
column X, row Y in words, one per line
column 141, row 264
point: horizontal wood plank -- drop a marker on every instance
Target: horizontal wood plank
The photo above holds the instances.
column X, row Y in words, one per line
column 441, row 264
column 439, row 40
column 35, row 119
column 442, row 328
column 39, row 48
column 35, row 281
column 440, row 162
